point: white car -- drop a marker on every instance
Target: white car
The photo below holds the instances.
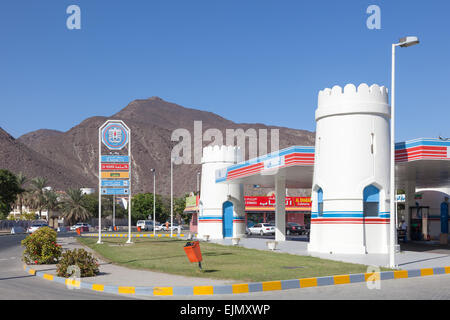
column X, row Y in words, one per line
column 79, row 225
column 262, row 229
column 36, row 225
column 175, row 227
column 158, row 227
column 146, row 225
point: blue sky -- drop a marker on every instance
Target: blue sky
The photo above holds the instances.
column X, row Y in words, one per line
column 246, row 60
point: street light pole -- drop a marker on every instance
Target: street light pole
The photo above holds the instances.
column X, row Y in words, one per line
column 114, row 212
column 404, row 42
column 171, row 197
column 154, row 201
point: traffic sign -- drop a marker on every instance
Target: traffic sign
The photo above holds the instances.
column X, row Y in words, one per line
column 115, row 166
column 115, row 183
column 115, row 159
column 114, row 175
column 113, row 191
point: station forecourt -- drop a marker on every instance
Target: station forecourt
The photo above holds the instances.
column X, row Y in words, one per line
column 420, row 164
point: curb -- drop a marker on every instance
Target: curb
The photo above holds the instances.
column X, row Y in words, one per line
column 11, row 234
column 244, row 287
column 125, row 235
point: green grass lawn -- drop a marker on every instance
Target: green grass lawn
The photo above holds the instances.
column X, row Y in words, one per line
column 219, row 261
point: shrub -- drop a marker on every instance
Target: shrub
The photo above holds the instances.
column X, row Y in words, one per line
column 41, row 247
column 87, row 264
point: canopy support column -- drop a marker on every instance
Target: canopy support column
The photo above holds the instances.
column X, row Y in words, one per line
column 280, row 208
column 409, row 202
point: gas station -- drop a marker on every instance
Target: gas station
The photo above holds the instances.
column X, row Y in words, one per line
column 348, row 172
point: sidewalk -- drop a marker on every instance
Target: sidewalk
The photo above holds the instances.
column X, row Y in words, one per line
column 416, row 256
column 111, row 274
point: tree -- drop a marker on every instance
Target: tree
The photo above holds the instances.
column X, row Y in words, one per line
column 9, row 189
column 142, row 207
column 179, row 204
column 51, row 202
column 21, row 196
column 90, row 202
column 37, row 200
column 73, row 209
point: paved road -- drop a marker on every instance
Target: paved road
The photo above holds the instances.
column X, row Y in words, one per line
column 16, row 284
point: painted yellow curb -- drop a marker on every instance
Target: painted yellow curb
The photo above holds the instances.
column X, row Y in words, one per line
column 400, row 274
column 344, row 279
column 271, row 285
column 163, row 291
column 98, row 287
column 203, row 290
column 127, row 290
column 48, row 277
column 308, row 282
column 240, row 288
column 426, row 272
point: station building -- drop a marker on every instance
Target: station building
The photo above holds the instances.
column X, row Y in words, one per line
column 260, row 209
column 348, row 171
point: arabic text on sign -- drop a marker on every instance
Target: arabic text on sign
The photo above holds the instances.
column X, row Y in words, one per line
column 115, row 166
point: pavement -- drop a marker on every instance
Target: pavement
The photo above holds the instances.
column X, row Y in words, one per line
column 121, row 276
column 16, row 284
column 412, row 255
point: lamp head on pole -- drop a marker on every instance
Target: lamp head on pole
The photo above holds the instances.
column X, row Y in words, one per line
column 408, row 41
column 152, row 170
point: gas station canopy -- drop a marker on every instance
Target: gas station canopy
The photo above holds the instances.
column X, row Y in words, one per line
column 423, row 161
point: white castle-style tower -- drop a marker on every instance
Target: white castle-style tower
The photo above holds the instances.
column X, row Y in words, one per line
column 350, row 212
column 221, row 206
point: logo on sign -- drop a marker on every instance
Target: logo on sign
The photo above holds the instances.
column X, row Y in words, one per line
column 115, row 136
column 274, row 163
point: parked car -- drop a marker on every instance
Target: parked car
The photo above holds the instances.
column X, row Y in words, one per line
column 158, row 227
column 36, row 226
column 146, row 225
column 175, row 227
column 294, row 228
column 84, row 226
column 262, row 229
column 249, row 225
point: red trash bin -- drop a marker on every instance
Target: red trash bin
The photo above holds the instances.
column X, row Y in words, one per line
column 193, row 252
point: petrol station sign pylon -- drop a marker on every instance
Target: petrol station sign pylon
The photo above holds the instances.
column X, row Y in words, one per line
column 114, row 166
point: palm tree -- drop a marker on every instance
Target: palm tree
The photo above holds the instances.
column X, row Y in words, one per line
column 21, row 180
column 37, row 200
column 51, row 202
column 73, row 209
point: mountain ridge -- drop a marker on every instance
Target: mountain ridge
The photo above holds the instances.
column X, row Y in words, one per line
column 152, row 122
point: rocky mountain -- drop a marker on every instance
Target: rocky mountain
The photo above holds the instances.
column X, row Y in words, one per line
column 74, row 155
column 17, row 157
